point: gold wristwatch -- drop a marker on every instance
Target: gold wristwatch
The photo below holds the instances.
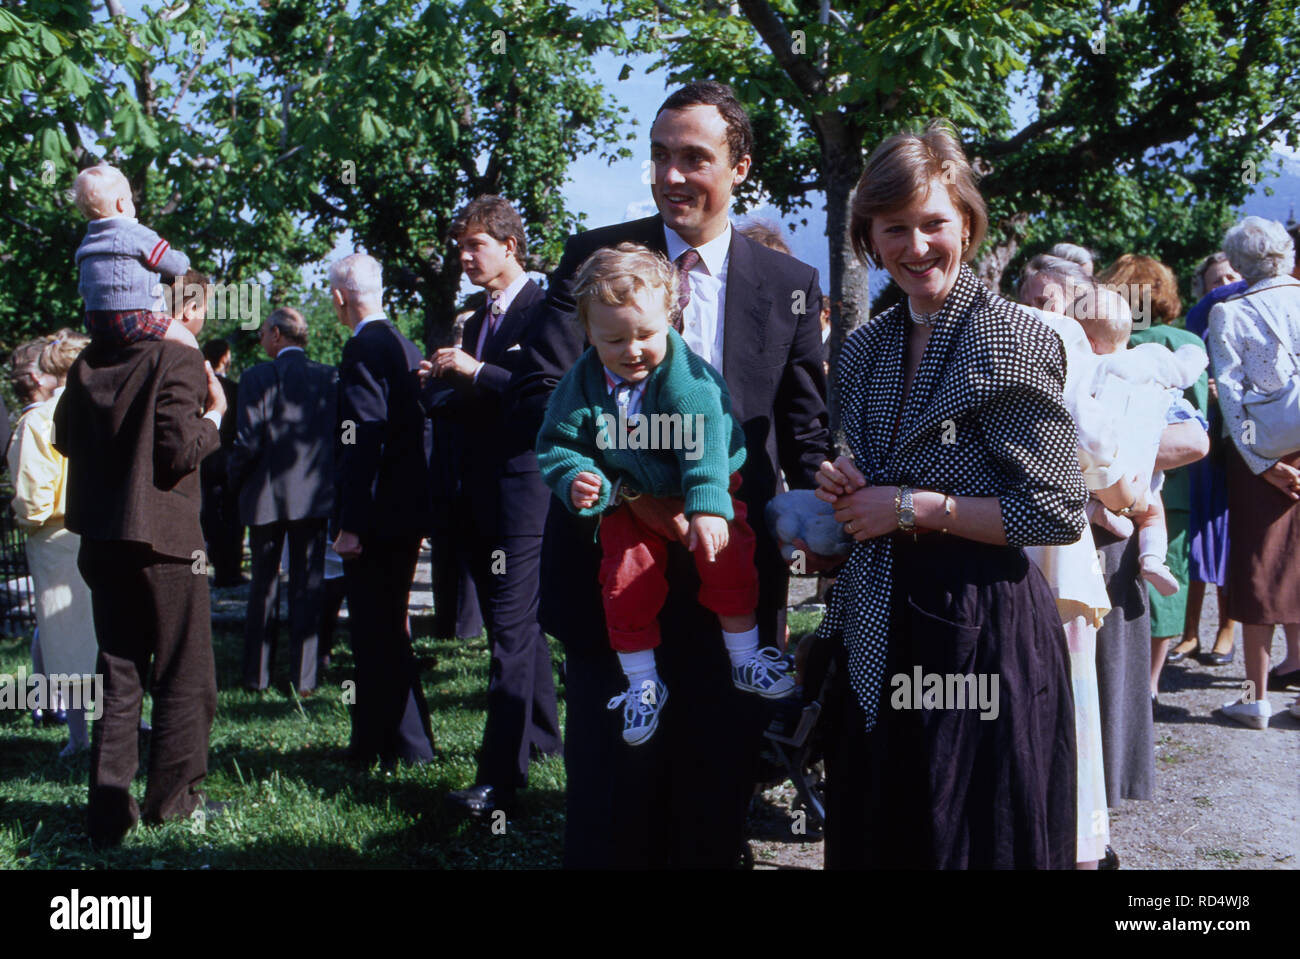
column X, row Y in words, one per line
column 906, row 511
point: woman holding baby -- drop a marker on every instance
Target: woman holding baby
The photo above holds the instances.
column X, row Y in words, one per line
column 963, row 453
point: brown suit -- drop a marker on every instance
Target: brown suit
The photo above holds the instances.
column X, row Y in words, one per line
column 131, row 424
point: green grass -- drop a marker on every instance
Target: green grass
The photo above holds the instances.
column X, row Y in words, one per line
column 293, row 805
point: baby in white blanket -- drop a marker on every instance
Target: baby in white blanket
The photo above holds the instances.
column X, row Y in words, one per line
column 1130, row 392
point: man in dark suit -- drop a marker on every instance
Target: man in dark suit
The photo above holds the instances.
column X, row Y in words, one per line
column 502, row 506
column 282, row 466
column 219, row 516
column 455, row 600
column 385, row 442
column 752, row 313
column 135, row 423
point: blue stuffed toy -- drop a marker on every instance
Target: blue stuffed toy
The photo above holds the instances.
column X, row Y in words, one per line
column 799, row 514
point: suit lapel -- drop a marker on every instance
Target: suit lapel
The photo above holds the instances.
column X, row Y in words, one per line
column 744, row 335
column 473, row 327
column 508, row 328
column 942, row 388
column 884, row 378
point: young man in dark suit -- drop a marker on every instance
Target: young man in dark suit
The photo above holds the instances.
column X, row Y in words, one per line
column 134, row 423
column 752, row 313
column 455, row 600
column 282, row 466
column 385, row 441
column 502, row 506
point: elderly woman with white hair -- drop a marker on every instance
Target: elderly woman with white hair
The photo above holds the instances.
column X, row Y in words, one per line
column 1254, row 341
column 1056, row 284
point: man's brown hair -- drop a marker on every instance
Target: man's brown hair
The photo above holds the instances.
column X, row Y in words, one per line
column 494, row 216
column 740, row 132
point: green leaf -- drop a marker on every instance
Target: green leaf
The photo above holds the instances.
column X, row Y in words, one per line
column 367, row 128
column 125, row 122
column 52, row 146
column 18, row 79
column 49, row 41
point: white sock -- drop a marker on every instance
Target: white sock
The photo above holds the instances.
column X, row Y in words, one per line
column 1158, row 575
column 77, row 737
column 1153, row 540
column 741, row 647
column 639, row 667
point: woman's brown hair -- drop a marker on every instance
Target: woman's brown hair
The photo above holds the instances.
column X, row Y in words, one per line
column 1131, row 274
column 902, row 168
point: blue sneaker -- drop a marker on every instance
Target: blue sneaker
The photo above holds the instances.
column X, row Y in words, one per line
column 767, row 673
column 640, row 711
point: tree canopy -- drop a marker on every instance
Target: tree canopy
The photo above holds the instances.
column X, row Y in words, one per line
column 255, row 134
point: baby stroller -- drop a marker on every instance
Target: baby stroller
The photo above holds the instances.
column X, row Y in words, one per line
column 792, row 741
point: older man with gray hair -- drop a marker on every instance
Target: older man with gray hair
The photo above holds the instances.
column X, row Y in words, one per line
column 282, row 465
column 384, row 505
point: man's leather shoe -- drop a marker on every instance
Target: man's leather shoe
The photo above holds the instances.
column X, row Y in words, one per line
column 482, row 800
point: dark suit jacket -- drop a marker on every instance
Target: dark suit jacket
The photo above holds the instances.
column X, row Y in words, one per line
column 214, row 473
column 131, row 425
column 499, row 471
column 283, row 459
column 772, row 362
column 384, row 483
column 490, row 448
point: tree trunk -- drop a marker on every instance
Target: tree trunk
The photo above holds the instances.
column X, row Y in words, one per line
column 850, row 302
column 1005, row 239
column 439, row 290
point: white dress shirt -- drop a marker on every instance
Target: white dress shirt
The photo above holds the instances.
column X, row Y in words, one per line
column 634, row 395
column 703, row 323
column 506, row 297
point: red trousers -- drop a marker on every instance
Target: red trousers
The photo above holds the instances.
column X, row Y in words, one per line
column 633, row 585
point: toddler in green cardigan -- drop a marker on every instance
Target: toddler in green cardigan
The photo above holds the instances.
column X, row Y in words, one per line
column 640, row 413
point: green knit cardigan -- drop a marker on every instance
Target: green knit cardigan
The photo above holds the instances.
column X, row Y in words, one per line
column 685, row 399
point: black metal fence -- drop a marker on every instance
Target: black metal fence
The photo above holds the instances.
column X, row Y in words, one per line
column 17, row 601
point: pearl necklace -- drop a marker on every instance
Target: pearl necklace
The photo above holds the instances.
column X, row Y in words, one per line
column 922, row 319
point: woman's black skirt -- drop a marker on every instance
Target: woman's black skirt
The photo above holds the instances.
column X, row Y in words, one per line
column 971, row 764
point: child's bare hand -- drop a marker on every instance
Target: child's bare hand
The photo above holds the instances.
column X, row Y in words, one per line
column 585, row 490
column 708, row 533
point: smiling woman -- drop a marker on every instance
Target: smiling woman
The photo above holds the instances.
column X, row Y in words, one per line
column 959, row 432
